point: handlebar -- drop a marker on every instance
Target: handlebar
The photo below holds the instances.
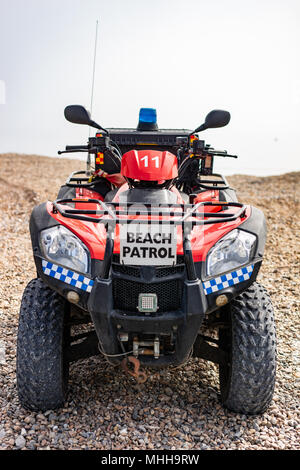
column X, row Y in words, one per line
column 77, row 147
column 203, row 150
column 220, row 153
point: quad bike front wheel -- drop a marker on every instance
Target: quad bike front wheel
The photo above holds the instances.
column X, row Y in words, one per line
column 42, row 366
column 247, row 381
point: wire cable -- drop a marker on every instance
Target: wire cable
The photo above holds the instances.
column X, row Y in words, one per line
column 114, row 355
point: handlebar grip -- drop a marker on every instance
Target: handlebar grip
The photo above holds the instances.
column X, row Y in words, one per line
column 219, row 152
column 77, row 147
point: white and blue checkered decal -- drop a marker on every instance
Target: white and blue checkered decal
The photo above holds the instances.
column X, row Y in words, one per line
column 67, row 276
column 86, row 284
column 227, row 280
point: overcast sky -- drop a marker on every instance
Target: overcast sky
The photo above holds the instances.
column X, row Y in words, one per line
column 183, row 57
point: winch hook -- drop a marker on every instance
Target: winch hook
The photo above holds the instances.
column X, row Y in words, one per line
column 139, row 376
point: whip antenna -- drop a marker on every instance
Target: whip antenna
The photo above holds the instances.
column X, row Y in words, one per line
column 88, row 169
column 94, row 67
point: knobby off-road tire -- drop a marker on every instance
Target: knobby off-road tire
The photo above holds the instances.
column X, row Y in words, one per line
column 247, row 383
column 42, row 368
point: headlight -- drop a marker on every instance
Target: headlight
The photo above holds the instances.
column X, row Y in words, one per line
column 232, row 251
column 60, row 245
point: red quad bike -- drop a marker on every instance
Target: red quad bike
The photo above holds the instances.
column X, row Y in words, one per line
column 150, row 255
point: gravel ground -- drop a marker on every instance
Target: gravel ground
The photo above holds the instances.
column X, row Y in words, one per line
column 175, row 408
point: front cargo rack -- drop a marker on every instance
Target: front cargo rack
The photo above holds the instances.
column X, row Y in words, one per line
column 113, row 213
column 186, row 215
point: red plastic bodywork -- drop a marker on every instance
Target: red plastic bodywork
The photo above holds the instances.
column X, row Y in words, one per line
column 149, row 165
column 203, row 237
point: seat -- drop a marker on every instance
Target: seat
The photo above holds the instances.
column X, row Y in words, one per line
column 110, row 195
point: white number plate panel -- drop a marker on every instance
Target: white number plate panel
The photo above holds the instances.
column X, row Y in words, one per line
column 153, row 244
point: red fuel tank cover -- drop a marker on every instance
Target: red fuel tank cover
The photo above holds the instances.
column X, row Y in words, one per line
column 149, row 165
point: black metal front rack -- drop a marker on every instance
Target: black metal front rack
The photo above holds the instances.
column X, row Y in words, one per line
column 119, row 213
column 113, row 213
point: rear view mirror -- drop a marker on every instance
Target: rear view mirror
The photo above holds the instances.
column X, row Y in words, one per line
column 216, row 118
column 77, row 114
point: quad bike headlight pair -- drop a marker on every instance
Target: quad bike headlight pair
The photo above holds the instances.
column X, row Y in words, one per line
column 61, row 246
column 232, row 251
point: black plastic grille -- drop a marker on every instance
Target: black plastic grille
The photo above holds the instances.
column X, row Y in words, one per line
column 126, row 294
column 164, row 272
column 134, row 271
column 127, row 270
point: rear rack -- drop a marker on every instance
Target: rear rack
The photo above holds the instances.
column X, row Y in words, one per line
column 78, row 179
column 75, row 180
column 218, row 184
column 114, row 213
